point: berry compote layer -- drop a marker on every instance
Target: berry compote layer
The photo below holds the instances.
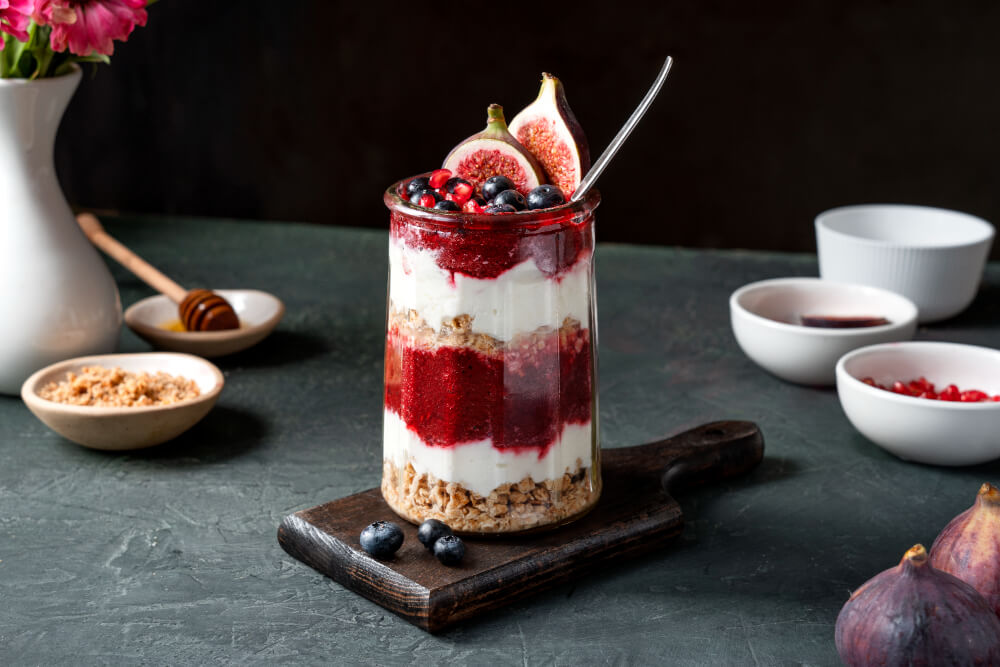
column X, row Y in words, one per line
column 490, row 386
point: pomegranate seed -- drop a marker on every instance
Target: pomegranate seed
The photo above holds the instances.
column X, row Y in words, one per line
column 472, row 206
column 427, row 201
column 463, row 190
column 950, row 393
column 922, row 388
column 439, row 177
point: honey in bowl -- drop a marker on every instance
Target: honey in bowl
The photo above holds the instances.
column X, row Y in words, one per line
column 178, row 326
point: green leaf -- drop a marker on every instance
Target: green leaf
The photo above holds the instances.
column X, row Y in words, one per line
column 93, row 58
column 12, row 53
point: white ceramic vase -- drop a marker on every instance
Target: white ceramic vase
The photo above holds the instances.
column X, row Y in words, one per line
column 57, row 297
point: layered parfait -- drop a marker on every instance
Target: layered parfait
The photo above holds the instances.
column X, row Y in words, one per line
column 490, row 417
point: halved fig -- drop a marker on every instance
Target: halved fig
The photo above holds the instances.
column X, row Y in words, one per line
column 550, row 131
column 494, row 152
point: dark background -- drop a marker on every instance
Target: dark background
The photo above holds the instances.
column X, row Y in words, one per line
column 306, row 110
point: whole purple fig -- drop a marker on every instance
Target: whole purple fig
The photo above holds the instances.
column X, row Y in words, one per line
column 969, row 546
column 913, row 614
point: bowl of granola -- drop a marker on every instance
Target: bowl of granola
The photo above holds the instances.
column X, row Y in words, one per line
column 123, row 401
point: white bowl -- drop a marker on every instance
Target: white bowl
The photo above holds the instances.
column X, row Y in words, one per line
column 765, row 314
column 131, row 427
column 932, row 256
column 922, row 429
column 259, row 313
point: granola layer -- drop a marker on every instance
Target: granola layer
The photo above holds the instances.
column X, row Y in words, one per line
column 458, row 332
column 508, row 508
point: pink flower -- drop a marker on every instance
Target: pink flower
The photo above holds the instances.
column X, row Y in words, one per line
column 15, row 15
column 89, row 26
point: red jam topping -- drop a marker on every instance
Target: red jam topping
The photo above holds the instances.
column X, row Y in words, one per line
column 487, row 253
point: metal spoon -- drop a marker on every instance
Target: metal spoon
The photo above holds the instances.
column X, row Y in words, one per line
column 616, row 143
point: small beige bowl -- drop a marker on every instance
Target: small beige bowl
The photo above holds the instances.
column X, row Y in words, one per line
column 259, row 314
column 125, row 428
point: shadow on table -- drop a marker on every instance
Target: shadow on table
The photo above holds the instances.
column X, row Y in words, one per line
column 225, row 433
column 280, row 348
column 771, row 469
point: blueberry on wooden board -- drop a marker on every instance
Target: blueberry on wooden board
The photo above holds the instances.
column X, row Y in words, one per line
column 381, row 539
column 449, row 549
column 430, row 531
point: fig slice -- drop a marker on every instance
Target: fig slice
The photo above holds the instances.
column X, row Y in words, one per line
column 550, row 131
column 494, row 152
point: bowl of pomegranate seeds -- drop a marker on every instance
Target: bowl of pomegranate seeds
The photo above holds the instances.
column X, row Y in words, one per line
column 932, row 256
column 797, row 328
column 936, row 403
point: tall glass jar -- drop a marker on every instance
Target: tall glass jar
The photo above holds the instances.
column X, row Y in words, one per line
column 490, row 419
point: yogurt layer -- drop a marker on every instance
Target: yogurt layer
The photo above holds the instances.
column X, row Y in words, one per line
column 479, row 466
column 521, row 299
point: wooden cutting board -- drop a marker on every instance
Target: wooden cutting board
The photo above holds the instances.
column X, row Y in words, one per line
column 636, row 514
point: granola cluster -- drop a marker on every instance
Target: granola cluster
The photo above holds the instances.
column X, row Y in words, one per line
column 458, row 332
column 114, row 388
column 508, row 508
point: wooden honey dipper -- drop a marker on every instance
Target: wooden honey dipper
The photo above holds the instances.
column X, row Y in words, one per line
column 199, row 309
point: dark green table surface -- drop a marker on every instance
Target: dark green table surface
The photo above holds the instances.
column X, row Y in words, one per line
column 169, row 556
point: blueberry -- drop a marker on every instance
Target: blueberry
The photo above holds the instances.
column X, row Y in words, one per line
column 511, row 197
column 500, row 208
column 449, row 185
column 430, row 530
column 445, row 205
column 545, row 196
column 481, row 200
column 381, row 539
column 494, row 185
column 415, row 197
column 449, row 549
column 418, row 183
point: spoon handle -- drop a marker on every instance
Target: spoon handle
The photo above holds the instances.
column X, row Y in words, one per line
column 616, row 143
column 144, row 270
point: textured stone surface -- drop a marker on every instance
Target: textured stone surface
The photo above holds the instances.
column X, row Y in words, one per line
column 169, row 556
